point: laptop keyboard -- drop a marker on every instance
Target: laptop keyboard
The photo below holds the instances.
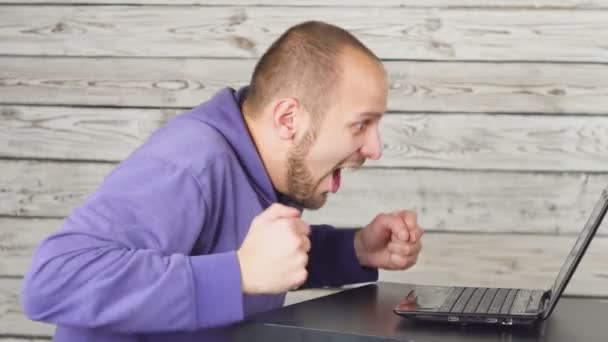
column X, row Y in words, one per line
column 479, row 300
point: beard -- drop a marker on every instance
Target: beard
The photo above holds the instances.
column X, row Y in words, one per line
column 301, row 184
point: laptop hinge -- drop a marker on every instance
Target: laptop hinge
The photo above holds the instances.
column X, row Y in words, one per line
column 547, row 300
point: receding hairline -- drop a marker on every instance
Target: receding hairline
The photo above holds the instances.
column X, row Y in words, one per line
column 272, row 81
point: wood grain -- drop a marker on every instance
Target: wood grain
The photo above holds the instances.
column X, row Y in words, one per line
column 519, row 4
column 467, row 201
column 396, row 33
column 18, row 239
column 448, row 141
column 527, row 261
column 495, row 142
column 76, row 133
column 12, row 319
column 551, row 203
column 572, row 88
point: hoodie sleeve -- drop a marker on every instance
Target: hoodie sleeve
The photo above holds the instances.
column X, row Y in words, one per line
column 332, row 259
column 121, row 261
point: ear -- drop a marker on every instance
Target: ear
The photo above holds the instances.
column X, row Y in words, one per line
column 284, row 117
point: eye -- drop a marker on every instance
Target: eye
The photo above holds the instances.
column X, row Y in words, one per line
column 359, row 126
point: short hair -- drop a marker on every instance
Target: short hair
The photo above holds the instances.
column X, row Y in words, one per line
column 303, row 62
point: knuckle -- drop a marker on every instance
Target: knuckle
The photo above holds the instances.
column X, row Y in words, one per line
column 303, row 259
column 294, row 242
column 305, row 244
column 300, row 277
column 306, row 229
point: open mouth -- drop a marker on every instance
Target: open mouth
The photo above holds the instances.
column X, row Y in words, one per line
column 336, row 180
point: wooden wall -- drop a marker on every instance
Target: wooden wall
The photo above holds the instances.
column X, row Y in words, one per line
column 497, row 130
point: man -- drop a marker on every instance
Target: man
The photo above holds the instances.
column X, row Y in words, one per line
column 200, row 227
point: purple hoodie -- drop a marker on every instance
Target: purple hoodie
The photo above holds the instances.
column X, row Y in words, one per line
column 151, row 255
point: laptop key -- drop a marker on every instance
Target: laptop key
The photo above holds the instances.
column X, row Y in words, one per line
column 487, row 299
column 521, row 302
column 535, row 302
column 463, row 300
column 475, row 299
column 506, row 307
column 498, row 301
column 451, row 299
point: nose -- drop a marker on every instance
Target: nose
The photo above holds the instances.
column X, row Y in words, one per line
column 372, row 148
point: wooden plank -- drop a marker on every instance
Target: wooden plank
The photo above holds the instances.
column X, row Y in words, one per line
column 47, row 188
column 458, row 141
column 503, row 256
column 297, row 296
column 495, row 142
column 396, row 33
column 467, row 201
column 18, row 239
column 565, row 4
column 511, row 260
column 414, row 86
column 505, row 261
column 12, row 319
column 548, row 203
column 499, row 261
column 76, row 133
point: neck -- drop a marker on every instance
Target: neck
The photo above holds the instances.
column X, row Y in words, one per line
column 263, row 140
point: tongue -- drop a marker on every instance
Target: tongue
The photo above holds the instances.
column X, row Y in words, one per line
column 336, row 181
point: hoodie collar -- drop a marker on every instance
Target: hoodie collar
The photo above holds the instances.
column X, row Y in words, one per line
column 223, row 113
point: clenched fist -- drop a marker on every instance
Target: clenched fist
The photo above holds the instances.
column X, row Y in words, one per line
column 391, row 241
column 274, row 255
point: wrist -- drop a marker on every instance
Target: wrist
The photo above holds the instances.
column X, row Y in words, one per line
column 244, row 281
column 360, row 251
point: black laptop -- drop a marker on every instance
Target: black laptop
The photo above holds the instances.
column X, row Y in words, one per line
column 503, row 306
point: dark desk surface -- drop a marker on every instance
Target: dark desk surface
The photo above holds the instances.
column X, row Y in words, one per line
column 366, row 314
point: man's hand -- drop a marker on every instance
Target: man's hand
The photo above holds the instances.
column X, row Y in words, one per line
column 274, row 255
column 390, row 241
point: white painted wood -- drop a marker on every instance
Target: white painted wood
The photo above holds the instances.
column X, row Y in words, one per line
column 495, row 142
column 519, row 260
column 526, row 261
column 12, row 319
column 467, row 201
column 30, row 188
column 18, row 239
column 76, row 133
column 461, row 141
column 446, row 200
column 437, row 34
column 414, row 86
column 302, row 295
column 505, row 261
column 519, row 4
column 497, row 87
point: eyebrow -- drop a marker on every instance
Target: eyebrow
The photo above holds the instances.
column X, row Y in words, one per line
column 376, row 115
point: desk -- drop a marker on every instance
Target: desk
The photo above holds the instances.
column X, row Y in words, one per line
column 365, row 314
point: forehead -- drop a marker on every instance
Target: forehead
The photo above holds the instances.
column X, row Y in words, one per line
column 362, row 87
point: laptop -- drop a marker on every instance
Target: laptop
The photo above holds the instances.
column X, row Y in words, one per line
column 502, row 306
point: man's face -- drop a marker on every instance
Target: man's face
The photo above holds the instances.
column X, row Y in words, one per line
column 348, row 135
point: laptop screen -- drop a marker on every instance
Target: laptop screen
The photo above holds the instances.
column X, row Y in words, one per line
column 593, row 223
